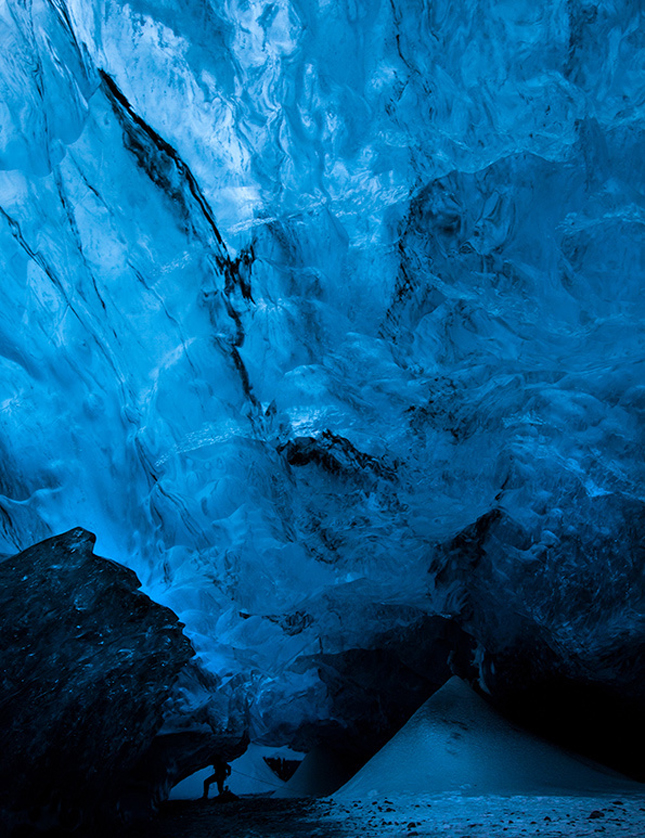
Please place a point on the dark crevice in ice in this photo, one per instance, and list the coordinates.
(167, 170)
(336, 455)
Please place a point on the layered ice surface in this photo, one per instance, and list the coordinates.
(294, 292)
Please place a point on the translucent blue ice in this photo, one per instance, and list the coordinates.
(293, 292)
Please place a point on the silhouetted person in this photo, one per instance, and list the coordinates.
(222, 770)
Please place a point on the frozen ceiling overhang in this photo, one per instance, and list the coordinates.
(303, 300)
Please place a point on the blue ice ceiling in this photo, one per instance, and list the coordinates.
(294, 292)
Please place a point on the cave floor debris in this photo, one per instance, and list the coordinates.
(432, 816)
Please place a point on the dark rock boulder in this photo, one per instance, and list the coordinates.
(557, 615)
(202, 719)
(87, 662)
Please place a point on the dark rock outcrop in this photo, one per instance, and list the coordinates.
(202, 719)
(557, 617)
(336, 455)
(87, 663)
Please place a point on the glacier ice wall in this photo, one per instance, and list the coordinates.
(296, 293)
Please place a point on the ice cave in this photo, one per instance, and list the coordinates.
(322, 418)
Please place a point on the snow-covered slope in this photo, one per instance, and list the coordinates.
(456, 742)
(321, 773)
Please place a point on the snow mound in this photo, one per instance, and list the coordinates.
(321, 772)
(456, 742)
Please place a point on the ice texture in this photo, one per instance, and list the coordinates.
(296, 292)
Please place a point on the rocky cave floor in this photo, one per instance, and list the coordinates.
(445, 815)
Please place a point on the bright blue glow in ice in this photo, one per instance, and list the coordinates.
(437, 214)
